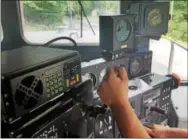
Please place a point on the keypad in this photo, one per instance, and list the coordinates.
(54, 84)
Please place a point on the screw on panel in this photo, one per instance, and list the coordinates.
(7, 104)
(5, 95)
(10, 119)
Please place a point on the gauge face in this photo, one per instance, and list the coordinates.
(92, 77)
(135, 66)
(102, 74)
(123, 30)
(155, 17)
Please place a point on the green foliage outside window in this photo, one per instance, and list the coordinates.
(178, 27)
(51, 13)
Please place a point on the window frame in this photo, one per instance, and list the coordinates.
(20, 12)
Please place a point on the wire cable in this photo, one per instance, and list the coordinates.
(60, 38)
(86, 16)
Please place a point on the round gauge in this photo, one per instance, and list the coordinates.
(102, 74)
(92, 77)
(135, 66)
(155, 17)
(123, 30)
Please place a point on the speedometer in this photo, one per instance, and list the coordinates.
(155, 17)
(123, 30)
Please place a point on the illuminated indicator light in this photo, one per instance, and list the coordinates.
(72, 82)
(101, 124)
(110, 127)
(73, 78)
(48, 95)
(67, 83)
(56, 91)
(77, 77)
(52, 92)
(101, 132)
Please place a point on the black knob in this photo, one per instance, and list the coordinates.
(158, 110)
(176, 80)
(94, 111)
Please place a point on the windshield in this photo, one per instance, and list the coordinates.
(46, 20)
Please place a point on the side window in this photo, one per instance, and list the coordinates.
(178, 32)
(46, 20)
(170, 52)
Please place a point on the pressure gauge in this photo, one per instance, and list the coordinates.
(123, 30)
(136, 65)
(155, 17)
(92, 77)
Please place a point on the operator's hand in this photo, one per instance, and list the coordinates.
(158, 131)
(113, 90)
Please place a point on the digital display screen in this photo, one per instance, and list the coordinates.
(152, 95)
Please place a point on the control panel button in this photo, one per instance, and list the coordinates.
(51, 77)
(48, 95)
(101, 132)
(47, 84)
(47, 79)
(52, 88)
(59, 74)
(56, 86)
(56, 91)
(72, 82)
(110, 127)
(51, 83)
(48, 90)
(60, 84)
(77, 78)
(67, 83)
(59, 79)
(55, 75)
(61, 89)
(5, 95)
(55, 81)
(52, 92)
(101, 124)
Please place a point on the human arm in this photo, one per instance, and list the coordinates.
(160, 131)
(113, 91)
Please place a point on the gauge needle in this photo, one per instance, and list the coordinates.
(119, 28)
(155, 17)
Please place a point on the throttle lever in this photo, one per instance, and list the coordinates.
(95, 110)
(158, 110)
